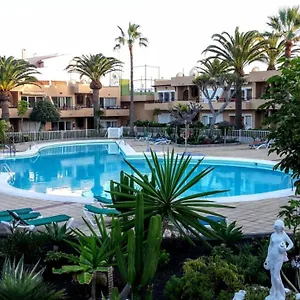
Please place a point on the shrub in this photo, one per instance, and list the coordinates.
(20, 242)
(205, 279)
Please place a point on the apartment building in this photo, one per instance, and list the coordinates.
(180, 89)
(74, 100)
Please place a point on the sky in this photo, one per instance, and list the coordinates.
(178, 31)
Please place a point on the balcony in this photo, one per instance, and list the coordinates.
(115, 112)
(151, 105)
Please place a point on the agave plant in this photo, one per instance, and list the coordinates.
(228, 233)
(165, 194)
(17, 283)
(57, 234)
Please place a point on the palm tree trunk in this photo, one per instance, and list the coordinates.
(238, 104)
(5, 111)
(131, 93)
(288, 49)
(96, 106)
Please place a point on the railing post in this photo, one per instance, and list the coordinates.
(62, 135)
(240, 135)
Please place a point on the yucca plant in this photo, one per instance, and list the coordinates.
(17, 283)
(165, 194)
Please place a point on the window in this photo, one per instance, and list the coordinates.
(62, 102)
(61, 126)
(31, 100)
(166, 96)
(164, 118)
(107, 124)
(172, 96)
(247, 121)
(160, 97)
(109, 102)
(206, 119)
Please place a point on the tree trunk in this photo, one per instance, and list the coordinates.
(238, 105)
(288, 49)
(21, 124)
(96, 106)
(93, 286)
(131, 93)
(213, 120)
(5, 111)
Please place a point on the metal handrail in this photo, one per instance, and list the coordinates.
(291, 178)
(6, 167)
(35, 144)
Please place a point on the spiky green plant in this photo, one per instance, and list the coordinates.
(164, 194)
(95, 252)
(17, 283)
(139, 266)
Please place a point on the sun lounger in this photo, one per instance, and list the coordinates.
(31, 224)
(216, 219)
(27, 216)
(91, 210)
(103, 199)
(17, 211)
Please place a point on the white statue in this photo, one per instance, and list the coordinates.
(240, 295)
(280, 243)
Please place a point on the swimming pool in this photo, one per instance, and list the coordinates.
(78, 171)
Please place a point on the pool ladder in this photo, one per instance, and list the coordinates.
(292, 181)
(6, 168)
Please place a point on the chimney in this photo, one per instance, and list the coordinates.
(24, 54)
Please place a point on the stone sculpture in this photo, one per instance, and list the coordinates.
(280, 243)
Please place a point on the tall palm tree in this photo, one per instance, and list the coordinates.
(94, 67)
(287, 25)
(132, 36)
(274, 48)
(14, 73)
(238, 50)
(213, 67)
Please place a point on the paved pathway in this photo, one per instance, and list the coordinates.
(254, 216)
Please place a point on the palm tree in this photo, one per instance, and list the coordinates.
(213, 67)
(13, 73)
(238, 50)
(273, 49)
(94, 67)
(287, 25)
(133, 36)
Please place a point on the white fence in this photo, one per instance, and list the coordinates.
(18, 137)
(243, 136)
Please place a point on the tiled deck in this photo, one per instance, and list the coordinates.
(254, 216)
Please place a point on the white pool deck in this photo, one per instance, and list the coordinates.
(254, 216)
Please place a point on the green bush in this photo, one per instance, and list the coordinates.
(249, 261)
(205, 279)
(20, 242)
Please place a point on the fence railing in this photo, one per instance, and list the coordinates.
(18, 137)
(243, 136)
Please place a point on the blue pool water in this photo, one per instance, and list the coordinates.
(75, 170)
